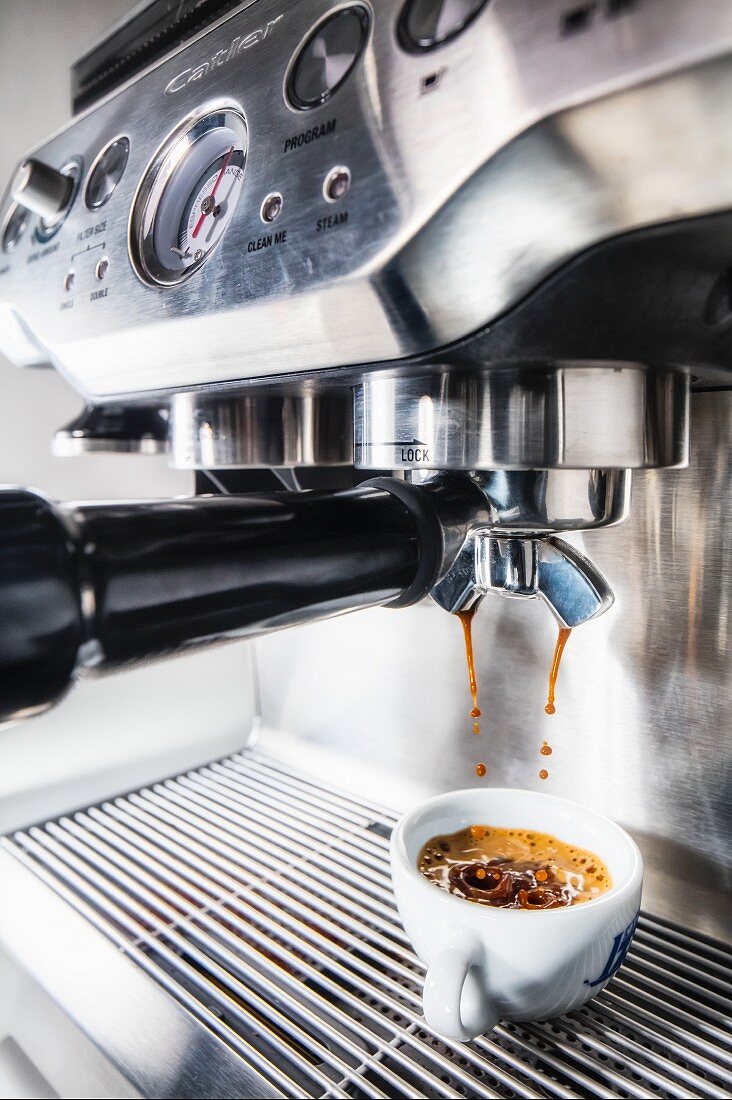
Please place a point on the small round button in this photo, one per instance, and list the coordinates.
(337, 184)
(69, 279)
(426, 24)
(106, 172)
(327, 57)
(14, 226)
(271, 207)
(102, 268)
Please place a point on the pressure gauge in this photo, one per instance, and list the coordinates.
(187, 197)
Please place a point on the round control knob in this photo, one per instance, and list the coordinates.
(426, 24)
(327, 56)
(43, 190)
(106, 172)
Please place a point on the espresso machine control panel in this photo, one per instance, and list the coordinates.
(328, 184)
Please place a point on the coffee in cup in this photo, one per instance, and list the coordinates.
(485, 962)
(513, 868)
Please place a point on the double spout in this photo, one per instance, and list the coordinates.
(512, 548)
(546, 568)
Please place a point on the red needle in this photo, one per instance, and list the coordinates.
(212, 196)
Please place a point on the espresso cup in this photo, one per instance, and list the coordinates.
(487, 964)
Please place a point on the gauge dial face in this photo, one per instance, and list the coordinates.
(210, 207)
(188, 197)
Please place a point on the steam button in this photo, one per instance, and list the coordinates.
(426, 24)
(327, 57)
(337, 184)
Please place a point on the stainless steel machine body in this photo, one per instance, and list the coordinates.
(494, 266)
(475, 170)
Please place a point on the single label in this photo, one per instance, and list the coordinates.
(67, 304)
(331, 221)
(269, 240)
(315, 133)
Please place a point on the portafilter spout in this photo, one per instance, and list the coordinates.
(513, 549)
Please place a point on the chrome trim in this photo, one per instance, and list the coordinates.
(550, 569)
(253, 430)
(343, 5)
(95, 162)
(169, 157)
(523, 417)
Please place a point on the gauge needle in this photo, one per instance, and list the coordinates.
(212, 196)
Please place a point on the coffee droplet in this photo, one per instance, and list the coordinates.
(480, 770)
(545, 750)
(466, 618)
(543, 774)
(550, 709)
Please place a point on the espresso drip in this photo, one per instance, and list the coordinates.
(466, 618)
(563, 635)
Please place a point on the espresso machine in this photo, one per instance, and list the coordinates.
(433, 298)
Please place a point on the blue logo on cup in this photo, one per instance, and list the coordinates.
(618, 951)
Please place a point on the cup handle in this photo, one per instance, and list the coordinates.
(455, 1000)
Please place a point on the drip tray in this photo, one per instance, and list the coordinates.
(260, 901)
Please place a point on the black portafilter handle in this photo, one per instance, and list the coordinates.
(102, 585)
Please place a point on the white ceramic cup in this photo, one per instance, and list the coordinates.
(487, 964)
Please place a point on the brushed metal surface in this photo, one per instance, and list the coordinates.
(617, 416)
(642, 729)
(533, 145)
(535, 501)
(273, 430)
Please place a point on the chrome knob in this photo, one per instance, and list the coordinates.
(41, 189)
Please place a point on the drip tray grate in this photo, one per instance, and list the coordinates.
(260, 899)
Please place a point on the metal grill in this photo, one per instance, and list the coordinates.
(261, 900)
